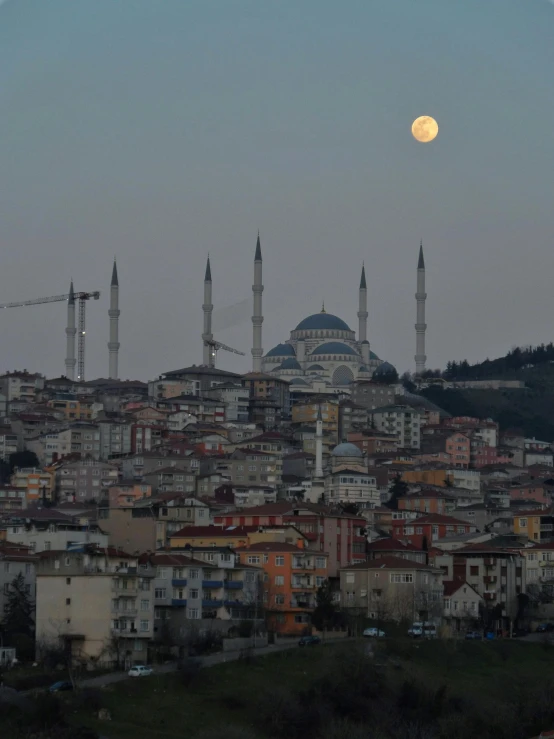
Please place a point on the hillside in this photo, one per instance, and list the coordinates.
(531, 409)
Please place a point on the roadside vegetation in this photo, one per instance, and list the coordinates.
(372, 689)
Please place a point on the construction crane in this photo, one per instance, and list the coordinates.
(215, 346)
(82, 297)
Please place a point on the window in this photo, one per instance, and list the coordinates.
(47, 546)
(192, 613)
(68, 581)
(139, 645)
(193, 574)
(279, 600)
(252, 560)
(193, 593)
(321, 563)
(279, 580)
(6, 566)
(403, 577)
(474, 571)
(160, 593)
(446, 604)
(144, 625)
(350, 578)
(319, 581)
(144, 605)
(523, 523)
(68, 601)
(279, 561)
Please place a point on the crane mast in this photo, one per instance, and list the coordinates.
(82, 297)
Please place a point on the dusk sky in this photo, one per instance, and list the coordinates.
(160, 130)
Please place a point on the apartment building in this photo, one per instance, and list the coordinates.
(209, 589)
(305, 414)
(53, 444)
(85, 479)
(351, 485)
(11, 499)
(497, 574)
(536, 524)
(454, 443)
(139, 465)
(252, 466)
(429, 528)
(373, 442)
(97, 603)
(35, 484)
(341, 536)
(372, 395)
(126, 492)
(292, 576)
(392, 588)
(428, 501)
(174, 479)
(462, 605)
(45, 529)
(21, 386)
(539, 564)
(9, 443)
(402, 421)
(263, 387)
(200, 537)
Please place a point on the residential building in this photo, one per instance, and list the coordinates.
(174, 479)
(81, 437)
(12, 499)
(85, 479)
(21, 386)
(371, 442)
(71, 407)
(292, 576)
(201, 377)
(454, 443)
(401, 420)
(372, 395)
(394, 548)
(234, 536)
(537, 525)
(36, 484)
(261, 387)
(352, 417)
(252, 466)
(9, 443)
(166, 388)
(428, 501)
(235, 397)
(44, 529)
(127, 492)
(392, 589)
(139, 465)
(429, 529)
(115, 435)
(197, 592)
(96, 603)
(341, 536)
(539, 564)
(305, 414)
(497, 574)
(462, 605)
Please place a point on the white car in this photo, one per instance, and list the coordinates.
(140, 671)
(374, 632)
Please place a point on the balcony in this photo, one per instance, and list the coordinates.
(212, 603)
(490, 562)
(489, 579)
(299, 565)
(234, 584)
(234, 603)
(212, 584)
(125, 592)
(178, 602)
(179, 582)
(490, 595)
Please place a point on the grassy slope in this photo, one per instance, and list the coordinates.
(228, 694)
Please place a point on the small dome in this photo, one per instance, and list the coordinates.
(346, 450)
(383, 369)
(322, 321)
(315, 368)
(281, 350)
(372, 355)
(299, 381)
(334, 347)
(290, 363)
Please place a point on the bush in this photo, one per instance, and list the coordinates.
(282, 713)
(225, 732)
(90, 699)
(245, 629)
(205, 643)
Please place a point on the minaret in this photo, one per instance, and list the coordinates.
(113, 313)
(362, 318)
(420, 326)
(319, 445)
(70, 332)
(257, 317)
(207, 336)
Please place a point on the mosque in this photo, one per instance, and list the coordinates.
(322, 347)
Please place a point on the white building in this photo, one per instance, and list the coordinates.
(401, 420)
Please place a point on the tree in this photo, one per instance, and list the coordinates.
(23, 459)
(351, 508)
(18, 610)
(325, 611)
(397, 490)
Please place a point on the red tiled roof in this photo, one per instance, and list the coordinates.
(221, 531)
(436, 518)
(389, 563)
(165, 558)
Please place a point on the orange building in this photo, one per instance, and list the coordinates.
(427, 501)
(292, 576)
(428, 477)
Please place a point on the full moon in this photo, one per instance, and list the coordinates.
(425, 128)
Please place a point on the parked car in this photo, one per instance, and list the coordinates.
(473, 635)
(307, 641)
(543, 628)
(373, 632)
(140, 671)
(422, 629)
(61, 685)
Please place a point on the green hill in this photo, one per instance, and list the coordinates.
(530, 409)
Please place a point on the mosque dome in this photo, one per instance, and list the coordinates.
(383, 369)
(315, 368)
(299, 381)
(346, 450)
(281, 350)
(290, 363)
(322, 321)
(334, 347)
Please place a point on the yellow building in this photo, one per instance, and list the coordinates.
(73, 410)
(233, 536)
(34, 482)
(427, 477)
(305, 414)
(537, 525)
